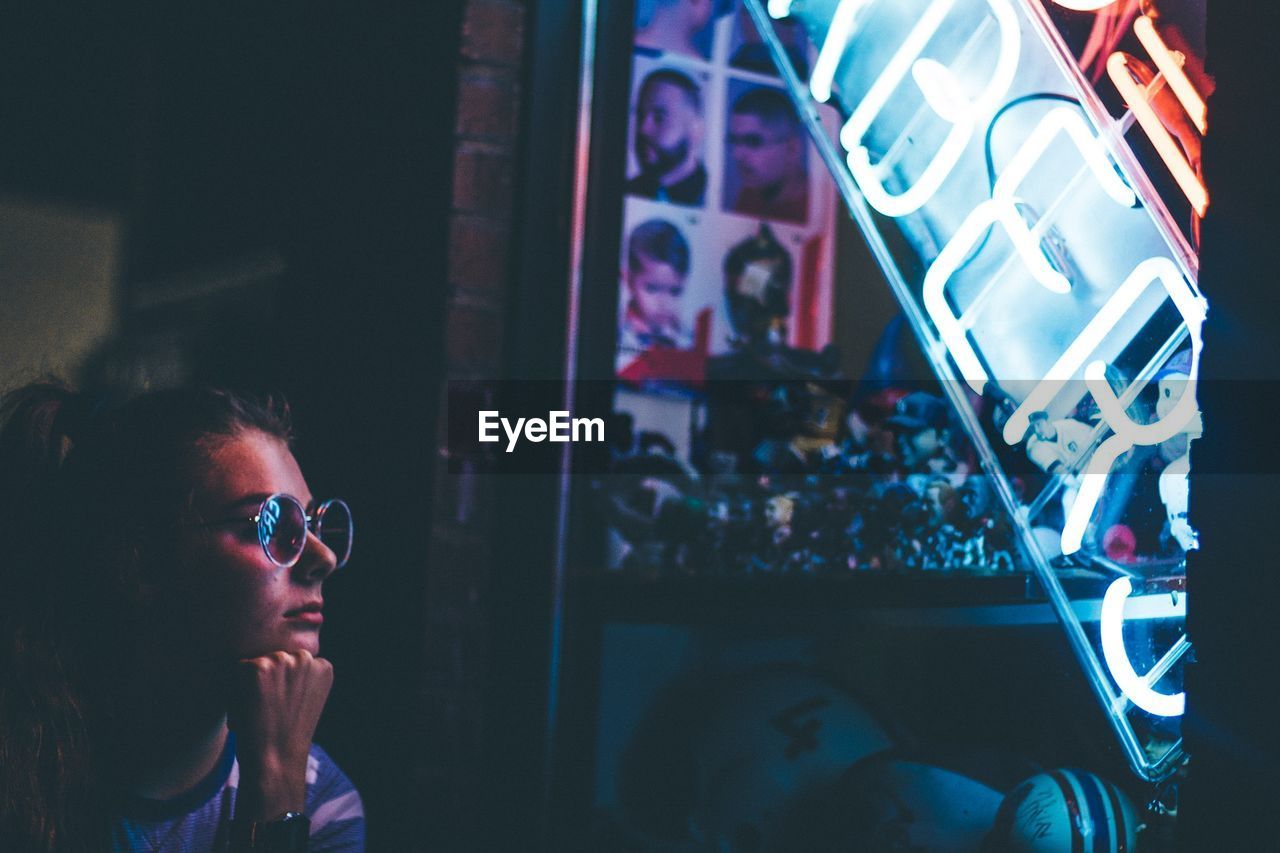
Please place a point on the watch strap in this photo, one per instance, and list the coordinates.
(287, 834)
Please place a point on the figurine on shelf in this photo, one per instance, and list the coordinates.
(921, 426)
(1054, 444)
(1057, 447)
(778, 512)
(650, 500)
(810, 416)
(1172, 382)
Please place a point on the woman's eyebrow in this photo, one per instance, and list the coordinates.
(246, 502)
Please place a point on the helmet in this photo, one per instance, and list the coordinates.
(1065, 810)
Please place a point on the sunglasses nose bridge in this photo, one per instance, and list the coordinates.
(327, 558)
(334, 517)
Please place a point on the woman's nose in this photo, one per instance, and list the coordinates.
(318, 561)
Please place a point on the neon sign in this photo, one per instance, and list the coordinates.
(1002, 208)
(1126, 72)
(1084, 5)
(1036, 264)
(1136, 688)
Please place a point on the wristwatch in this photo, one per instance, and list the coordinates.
(287, 834)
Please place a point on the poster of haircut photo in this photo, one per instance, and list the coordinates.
(667, 295)
(666, 159)
(773, 286)
(766, 170)
(726, 201)
(694, 288)
(748, 52)
(679, 27)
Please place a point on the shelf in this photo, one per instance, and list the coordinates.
(933, 599)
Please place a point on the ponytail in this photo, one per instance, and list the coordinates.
(48, 794)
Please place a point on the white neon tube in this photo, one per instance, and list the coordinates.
(870, 177)
(1136, 97)
(780, 8)
(1133, 686)
(1064, 120)
(1170, 65)
(993, 211)
(1092, 482)
(1084, 5)
(1127, 432)
(839, 34)
(941, 90)
(1193, 309)
(1001, 208)
(1090, 338)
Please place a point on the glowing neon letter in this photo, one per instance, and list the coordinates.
(1193, 309)
(1066, 120)
(1192, 187)
(940, 88)
(1134, 687)
(1090, 338)
(1170, 65)
(779, 8)
(838, 36)
(1001, 208)
(996, 210)
(1084, 5)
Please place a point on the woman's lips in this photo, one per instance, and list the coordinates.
(310, 614)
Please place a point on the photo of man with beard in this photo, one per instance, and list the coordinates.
(668, 139)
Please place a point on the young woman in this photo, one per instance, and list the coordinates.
(161, 576)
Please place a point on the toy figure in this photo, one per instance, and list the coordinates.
(1057, 446)
(921, 425)
(809, 414)
(778, 512)
(1051, 444)
(651, 502)
(1172, 382)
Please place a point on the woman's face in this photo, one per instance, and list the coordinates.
(227, 595)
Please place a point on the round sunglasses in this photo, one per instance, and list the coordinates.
(282, 524)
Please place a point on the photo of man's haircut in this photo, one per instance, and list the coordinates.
(766, 157)
(668, 139)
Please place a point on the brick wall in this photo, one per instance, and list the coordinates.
(462, 532)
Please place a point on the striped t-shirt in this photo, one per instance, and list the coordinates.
(199, 820)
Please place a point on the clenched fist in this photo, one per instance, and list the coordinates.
(276, 703)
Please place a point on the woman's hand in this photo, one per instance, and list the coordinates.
(276, 703)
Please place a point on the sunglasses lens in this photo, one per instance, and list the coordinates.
(333, 526)
(282, 530)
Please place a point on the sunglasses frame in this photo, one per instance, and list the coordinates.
(312, 523)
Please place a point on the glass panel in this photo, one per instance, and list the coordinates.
(744, 447)
(1039, 237)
